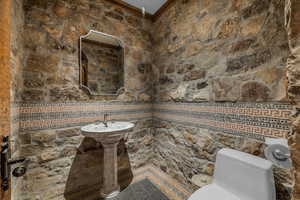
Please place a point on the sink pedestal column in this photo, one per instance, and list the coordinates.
(109, 135)
(111, 187)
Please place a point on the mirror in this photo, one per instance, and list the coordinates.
(101, 63)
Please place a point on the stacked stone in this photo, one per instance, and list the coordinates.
(230, 50)
(293, 66)
(52, 30)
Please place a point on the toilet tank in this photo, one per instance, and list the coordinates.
(246, 176)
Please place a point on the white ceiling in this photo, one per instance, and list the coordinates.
(151, 6)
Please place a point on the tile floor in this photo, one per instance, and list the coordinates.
(167, 185)
(161, 187)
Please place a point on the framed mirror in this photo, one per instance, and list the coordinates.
(101, 63)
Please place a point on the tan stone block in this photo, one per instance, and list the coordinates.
(295, 11)
(71, 132)
(44, 184)
(252, 26)
(31, 150)
(68, 151)
(226, 89)
(42, 63)
(271, 74)
(255, 91)
(54, 31)
(203, 94)
(37, 173)
(61, 9)
(49, 155)
(56, 192)
(43, 137)
(240, 4)
(40, 16)
(193, 49)
(34, 37)
(201, 180)
(214, 7)
(33, 95)
(195, 75)
(203, 30)
(230, 28)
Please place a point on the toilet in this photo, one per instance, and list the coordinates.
(239, 176)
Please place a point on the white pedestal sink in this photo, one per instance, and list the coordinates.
(109, 136)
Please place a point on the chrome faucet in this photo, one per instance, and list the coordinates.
(105, 119)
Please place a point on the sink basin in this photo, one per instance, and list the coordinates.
(111, 127)
(101, 133)
(109, 137)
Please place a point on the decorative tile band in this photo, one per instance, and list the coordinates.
(255, 120)
(62, 115)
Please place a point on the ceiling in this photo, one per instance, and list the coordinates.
(151, 6)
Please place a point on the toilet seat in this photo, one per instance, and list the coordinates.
(212, 192)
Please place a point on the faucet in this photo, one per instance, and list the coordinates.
(105, 119)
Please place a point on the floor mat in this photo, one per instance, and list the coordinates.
(142, 190)
(168, 185)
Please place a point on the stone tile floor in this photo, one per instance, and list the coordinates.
(162, 187)
(167, 185)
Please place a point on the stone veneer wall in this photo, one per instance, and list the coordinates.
(52, 29)
(231, 51)
(61, 164)
(221, 50)
(241, 58)
(293, 65)
(16, 68)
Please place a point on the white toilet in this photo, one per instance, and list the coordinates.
(239, 176)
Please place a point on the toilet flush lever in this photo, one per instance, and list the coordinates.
(6, 162)
(279, 155)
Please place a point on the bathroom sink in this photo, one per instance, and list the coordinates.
(100, 130)
(109, 135)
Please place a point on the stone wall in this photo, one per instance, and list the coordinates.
(52, 30)
(292, 24)
(188, 154)
(220, 50)
(61, 165)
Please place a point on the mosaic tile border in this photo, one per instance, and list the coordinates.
(254, 120)
(42, 116)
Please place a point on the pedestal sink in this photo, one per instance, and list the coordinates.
(109, 135)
